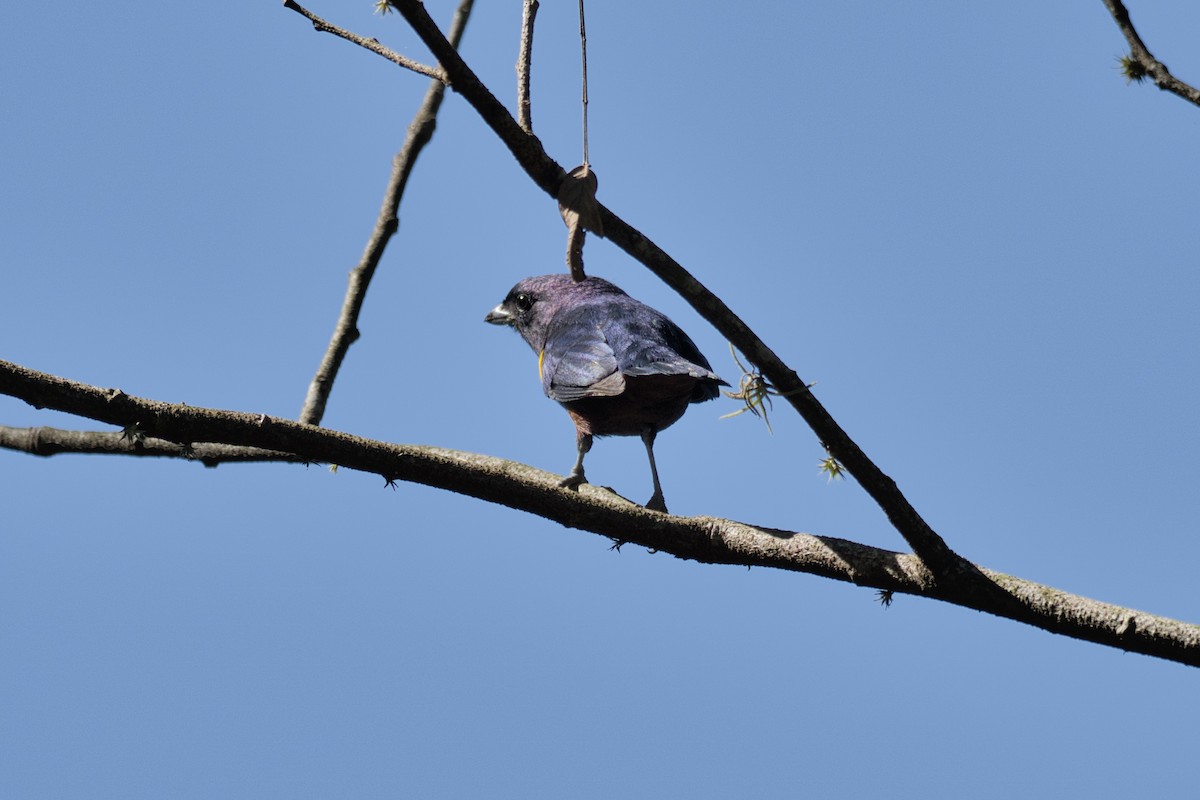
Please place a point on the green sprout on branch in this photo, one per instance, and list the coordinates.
(832, 467)
(1133, 70)
(756, 392)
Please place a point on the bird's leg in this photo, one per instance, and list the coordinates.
(655, 503)
(583, 442)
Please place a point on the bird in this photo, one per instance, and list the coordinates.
(618, 366)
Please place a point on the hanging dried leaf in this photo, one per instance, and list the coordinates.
(577, 200)
(581, 212)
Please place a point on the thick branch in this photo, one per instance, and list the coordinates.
(1141, 56)
(345, 332)
(548, 174)
(590, 508)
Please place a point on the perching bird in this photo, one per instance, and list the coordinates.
(617, 366)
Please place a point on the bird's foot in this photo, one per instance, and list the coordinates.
(573, 480)
(657, 503)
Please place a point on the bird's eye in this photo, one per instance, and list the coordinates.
(524, 302)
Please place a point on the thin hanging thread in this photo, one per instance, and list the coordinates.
(583, 51)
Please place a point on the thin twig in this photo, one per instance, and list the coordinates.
(370, 44)
(548, 175)
(345, 332)
(525, 66)
(704, 539)
(583, 56)
(1147, 63)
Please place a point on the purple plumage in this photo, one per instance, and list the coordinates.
(619, 367)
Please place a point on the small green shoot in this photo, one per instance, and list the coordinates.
(832, 467)
(756, 392)
(1133, 70)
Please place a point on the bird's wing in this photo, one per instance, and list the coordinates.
(577, 362)
(650, 344)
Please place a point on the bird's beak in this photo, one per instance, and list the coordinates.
(499, 316)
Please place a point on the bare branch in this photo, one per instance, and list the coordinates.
(548, 175)
(370, 44)
(345, 332)
(524, 65)
(1147, 64)
(705, 539)
(55, 441)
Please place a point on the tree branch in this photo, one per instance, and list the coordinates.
(55, 441)
(345, 332)
(548, 175)
(1146, 63)
(590, 508)
(524, 66)
(371, 44)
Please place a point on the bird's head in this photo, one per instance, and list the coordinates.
(532, 303)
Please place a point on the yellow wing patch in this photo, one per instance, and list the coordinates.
(541, 358)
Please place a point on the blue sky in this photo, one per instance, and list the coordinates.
(956, 218)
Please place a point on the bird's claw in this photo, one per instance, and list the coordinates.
(572, 481)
